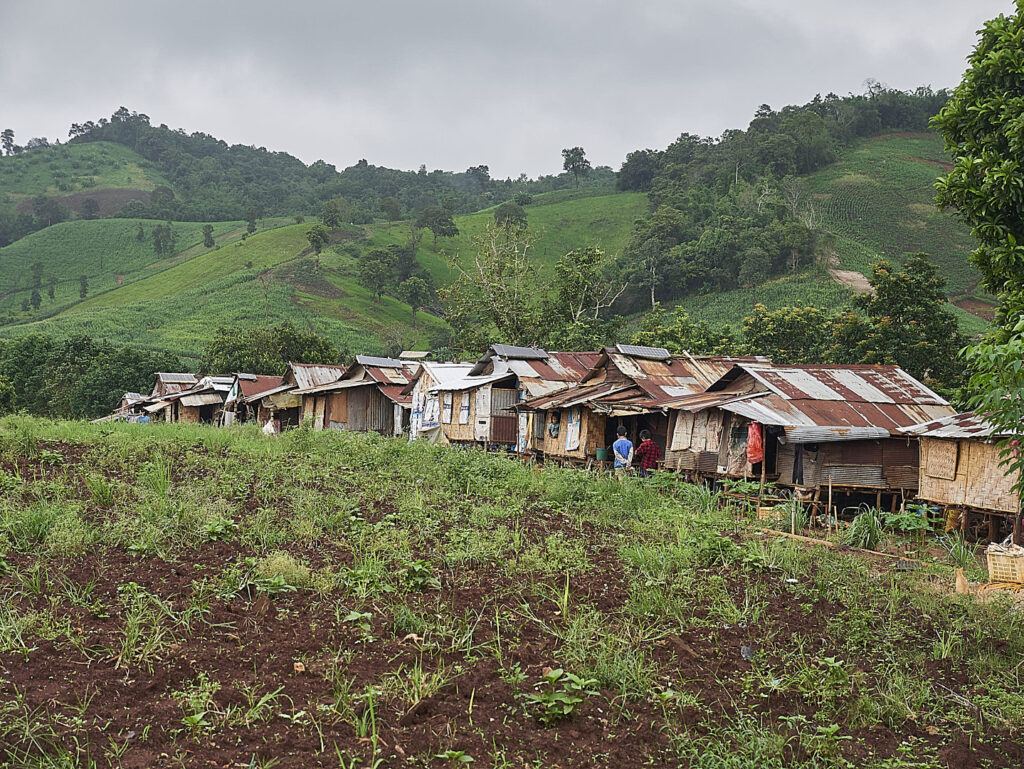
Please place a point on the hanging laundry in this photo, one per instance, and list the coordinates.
(755, 444)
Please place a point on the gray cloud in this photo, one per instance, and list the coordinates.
(454, 83)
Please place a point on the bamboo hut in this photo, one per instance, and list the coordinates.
(836, 427)
(425, 388)
(281, 405)
(157, 405)
(628, 386)
(368, 397)
(243, 399)
(962, 471)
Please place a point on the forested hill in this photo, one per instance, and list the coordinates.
(125, 166)
(216, 181)
(737, 211)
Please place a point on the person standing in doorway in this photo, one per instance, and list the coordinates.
(623, 449)
(647, 454)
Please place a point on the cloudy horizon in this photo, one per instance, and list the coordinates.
(452, 84)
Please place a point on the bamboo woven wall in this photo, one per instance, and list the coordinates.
(591, 435)
(977, 480)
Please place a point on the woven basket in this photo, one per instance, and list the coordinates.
(1005, 568)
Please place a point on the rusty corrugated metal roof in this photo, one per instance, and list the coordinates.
(307, 375)
(966, 425)
(258, 383)
(853, 384)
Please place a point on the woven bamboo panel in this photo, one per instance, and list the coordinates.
(942, 459)
(932, 488)
(989, 486)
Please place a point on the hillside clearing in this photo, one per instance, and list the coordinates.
(190, 596)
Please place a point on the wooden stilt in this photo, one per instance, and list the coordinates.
(828, 511)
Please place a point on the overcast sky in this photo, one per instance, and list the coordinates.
(455, 83)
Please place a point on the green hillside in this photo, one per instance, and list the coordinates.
(178, 304)
(879, 199)
(72, 172)
(107, 251)
(265, 278)
(561, 220)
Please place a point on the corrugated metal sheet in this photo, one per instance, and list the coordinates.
(158, 406)
(258, 383)
(307, 375)
(169, 377)
(966, 425)
(901, 476)
(866, 384)
(201, 399)
(707, 461)
(370, 360)
(273, 391)
(869, 476)
(523, 353)
(831, 420)
(638, 351)
(469, 382)
(822, 434)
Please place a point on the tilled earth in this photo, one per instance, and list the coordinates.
(450, 665)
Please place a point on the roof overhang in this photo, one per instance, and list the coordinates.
(201, 399)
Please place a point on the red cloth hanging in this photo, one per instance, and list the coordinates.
(755, 444)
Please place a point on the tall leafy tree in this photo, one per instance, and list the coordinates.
(318, 238)
(496, 296)
(208, 241)
(677, 332)
(509, 214)
(377, 271)
(391, 209)
(266, 350)
(438, 221)
(7, 141)
(982, 126)
(415, 292)
(574, 160)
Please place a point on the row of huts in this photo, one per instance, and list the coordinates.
(854, 433)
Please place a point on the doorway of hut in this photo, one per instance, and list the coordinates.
(770, 442)
(287, 417)
(207, 414)
(657, 423)
(504, 422)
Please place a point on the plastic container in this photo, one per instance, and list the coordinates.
(1005, 568)
(603, 455)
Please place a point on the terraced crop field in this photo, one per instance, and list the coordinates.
(880, 197)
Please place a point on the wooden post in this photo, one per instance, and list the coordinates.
(993, 528)
(878, 500)
(828, 511)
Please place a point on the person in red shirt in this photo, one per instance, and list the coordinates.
(647, 454)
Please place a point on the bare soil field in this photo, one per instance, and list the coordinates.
(174, 596)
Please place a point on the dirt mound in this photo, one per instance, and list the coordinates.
(851, 278)
(110, 200)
